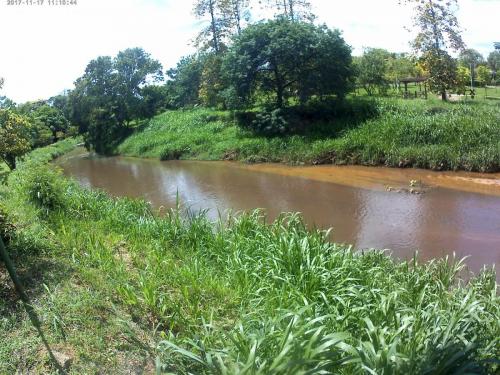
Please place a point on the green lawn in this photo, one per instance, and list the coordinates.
(490, 91)
(121, 290)
(418, 133)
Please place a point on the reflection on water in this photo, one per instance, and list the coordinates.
(439, 222)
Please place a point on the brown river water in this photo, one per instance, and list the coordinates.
(404, 210)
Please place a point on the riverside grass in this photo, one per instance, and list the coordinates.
(406, 133)
(121, 289)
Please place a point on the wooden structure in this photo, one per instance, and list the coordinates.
(419, 80)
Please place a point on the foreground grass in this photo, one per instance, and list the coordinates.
(121, 290)
(411, 133)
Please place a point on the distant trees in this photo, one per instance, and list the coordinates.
(14, 136)
(288, 59)
(400, 66)
(372, 70)
(494, 63)
(438, 30)
(469, 56)
(111, 94)
(483, 75)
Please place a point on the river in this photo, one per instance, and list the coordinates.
(404, 210)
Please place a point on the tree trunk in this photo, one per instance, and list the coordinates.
(214, 27)
(443, 96)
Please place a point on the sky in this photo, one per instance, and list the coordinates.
(44, 48)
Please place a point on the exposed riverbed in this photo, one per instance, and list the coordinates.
(398, 209)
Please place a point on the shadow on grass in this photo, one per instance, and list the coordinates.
(33, 273)
(317, 120)
(27, 304)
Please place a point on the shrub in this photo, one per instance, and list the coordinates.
(269, 122)
(42, 186)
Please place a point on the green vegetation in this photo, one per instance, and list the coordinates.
(425, 134)
(117, 287)
(263, 61)
(14, 137)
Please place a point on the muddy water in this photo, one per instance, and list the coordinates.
(440, 214)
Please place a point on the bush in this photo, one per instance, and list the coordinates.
(269, 122)
(42, 186)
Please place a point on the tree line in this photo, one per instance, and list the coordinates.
(378, 70)
(241, 64)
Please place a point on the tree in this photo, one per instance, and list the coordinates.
(14, 136)
(470, 57)
(62, 103)
(211, 83)
(134, 69)
(154, 100)
(213, 35)
(373, 69)
(494, 61)
(112, 87)
(184, 82)
(236, 11)
(95, 89)
(483, 75)
(438, 30)
(401, 66)
(288, 59)
(6, 103)
(442, 70)
(53, 119)
(293, 10)
(463, 79)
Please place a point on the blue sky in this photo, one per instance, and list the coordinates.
(43, 49)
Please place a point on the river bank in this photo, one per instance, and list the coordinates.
(119, 288)
(422, 134)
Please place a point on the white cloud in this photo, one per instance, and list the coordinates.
(43, 49)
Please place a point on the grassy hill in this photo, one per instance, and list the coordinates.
(412, 133)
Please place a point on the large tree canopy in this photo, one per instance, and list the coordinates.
(288, 60)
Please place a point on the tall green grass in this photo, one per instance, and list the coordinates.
(406, 133)
(237, 296)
